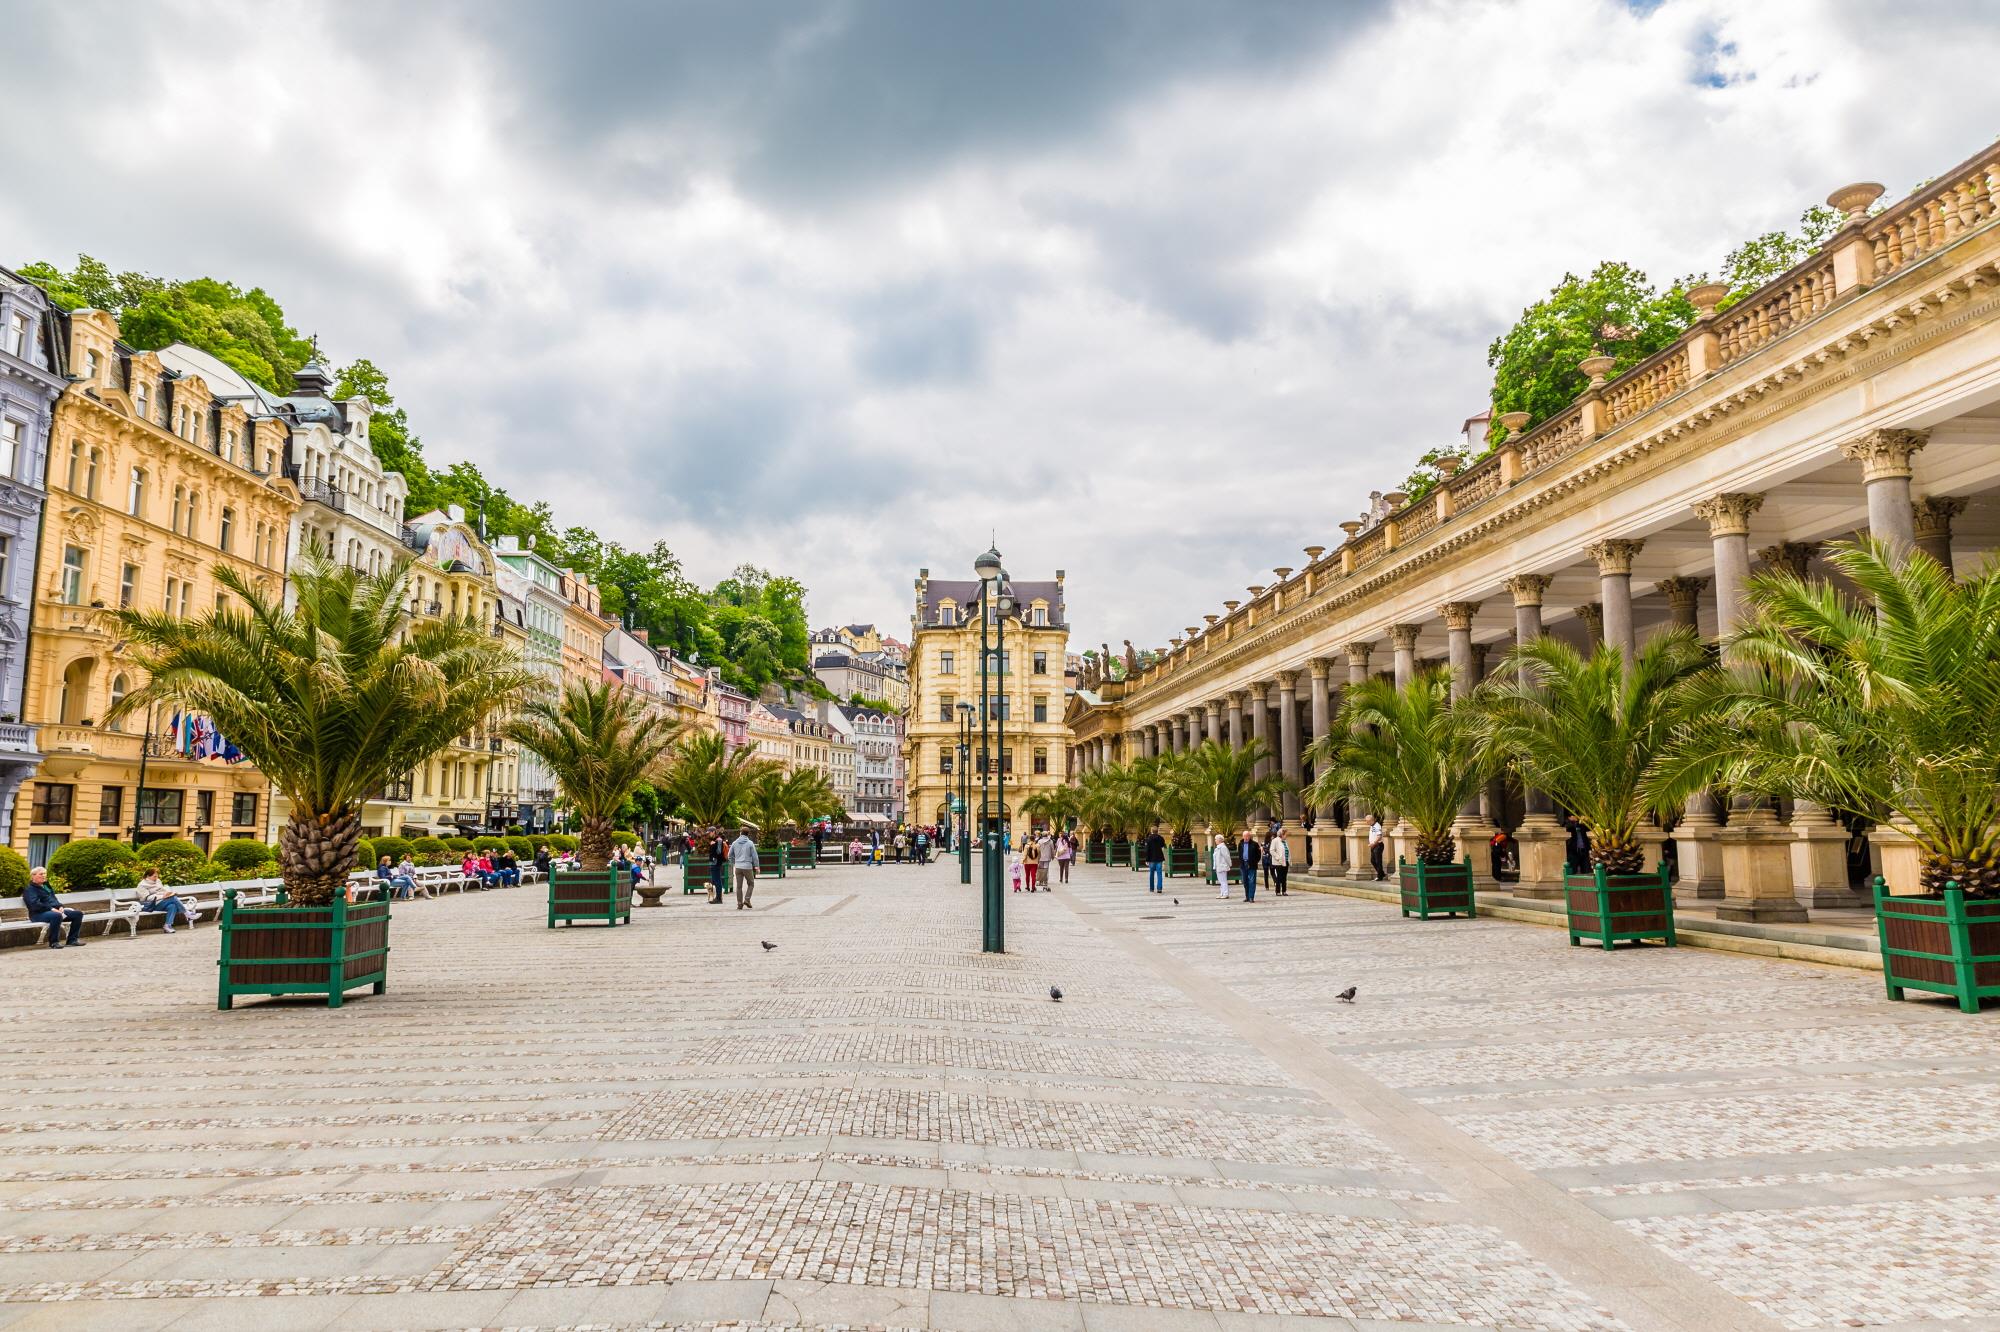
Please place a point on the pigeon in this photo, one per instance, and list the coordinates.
(768, 945)
(1346, 996)
(1177, 901)
(1055, 993)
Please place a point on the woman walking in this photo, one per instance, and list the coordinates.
(1065, 853)
(1218, 860)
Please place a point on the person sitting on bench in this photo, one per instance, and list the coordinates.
(155, 897)
(44, 908)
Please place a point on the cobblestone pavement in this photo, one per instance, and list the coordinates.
(876, 1126)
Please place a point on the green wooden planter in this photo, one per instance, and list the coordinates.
(1138, 856)
(1939, 942)
(799, 856)
(770, 862)
(1437, 890)
(1610, 909)
(1184, 862)
(1120, 853)
(1094, 852)
(286, 949)
(604, 895)
(694, 878)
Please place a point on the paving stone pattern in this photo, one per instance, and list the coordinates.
(876, 1126)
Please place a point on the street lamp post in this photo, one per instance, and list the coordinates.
(995, 599)
(964, 793)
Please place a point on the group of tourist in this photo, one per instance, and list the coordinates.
(1042, 861)
(1270, 858)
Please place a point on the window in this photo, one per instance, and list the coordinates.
(229, 446)
(221, 602)
(52, 802)
(135, 493)
(1041, 707)
(947, 614)
(43, 845)
(119, 688)
(92, 365)
(72, 575)
(173, 594)
(187, 590)
(225, 530)
(180, 503)
(74, 474)
(243, 809)
(194, 503)
(11, 433)
(1001, 662)
(996, 706)
(947, 663)
(1041, 760)
(111, 807)
(94, 460)
(1041, 663)
(1039, 616)
(6, 557)
(159, 806)
(20, 336)
(139, 402)
(204, 807)
(947, 703)
(1006, 763)
(944, 760)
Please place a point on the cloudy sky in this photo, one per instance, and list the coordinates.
(1154, 290)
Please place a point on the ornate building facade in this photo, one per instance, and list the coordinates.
(1025, 700)
(156, 478)
(536, 586)
(1858, 392)
(33, 359)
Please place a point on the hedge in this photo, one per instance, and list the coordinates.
(13, 872)
(561, 841)
(175, 847)
(365, 854)
(428, 851)
(86, 863)
(489, 844)
(241, 853)
(620, 837)
(459, 844)
(522, 847)
(393, 847)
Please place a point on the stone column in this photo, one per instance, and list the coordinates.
(1614, 585)
(1931, 521)
(1539, 840)
(1755, 847)
(1288, 741)
(1260, 729)
(1468, 828)
(1214, 709)
(1357, 808)
(1681, 593)
(1327, 849)
(1885, 456)
(1403, 638)
(1236, 732)
(1163, 738)
(1592, 615)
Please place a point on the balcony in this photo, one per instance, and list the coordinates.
(315, 490)
(16, 736)
(397, 793)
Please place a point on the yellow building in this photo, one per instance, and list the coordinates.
(153, 481)
(769, 737)
(1025, 694)
(583, 631)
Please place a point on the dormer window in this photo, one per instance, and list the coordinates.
(20, 336)
(139, 399)
(93, 364)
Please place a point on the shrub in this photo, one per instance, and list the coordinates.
(516, 830)
(561, 841)
(85, 864)
(393, 847)
(428, 851)
(365, 854)
(241, 853)
(175, 847)
(459, 844)
(489, 844)
(13, 872)
(620, 837)
(522, 847)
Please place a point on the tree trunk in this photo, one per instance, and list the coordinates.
(316, 853)
(593, 843)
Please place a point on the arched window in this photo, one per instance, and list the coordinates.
(72, 705)
(91, 466)
(180, 504)
(119, 689)
(135, 494)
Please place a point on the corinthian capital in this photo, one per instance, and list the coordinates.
(1615, 556)
(1885, 453)
(1403, 637)
(1458, 614)
(1528, 588)
(1728, 515)
(1933, 516)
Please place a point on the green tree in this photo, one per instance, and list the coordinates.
(1886, 703)
(331, 700)
(1761, 258)
(709, 781)
(1615, 309)
(1410, 750)
(1222, 787)
(1591, 730)
(599, 740)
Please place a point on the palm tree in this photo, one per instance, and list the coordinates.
(1101, 801)
(331, 700)
(1886, 704)
(1059, 807)
(776, 798)
(599, 740)
(709, 780)
(1408, 749)
(1221, 787)
(1591, 730)
(808, 795)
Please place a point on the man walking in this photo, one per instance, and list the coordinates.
(1218, 862)
(743, 860)
(44, 908)
(1375, 846)
(1248, 855)
(1156, 861)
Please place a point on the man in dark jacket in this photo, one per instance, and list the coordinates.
(44, 908)
(1249, 854)
(1156, 862)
